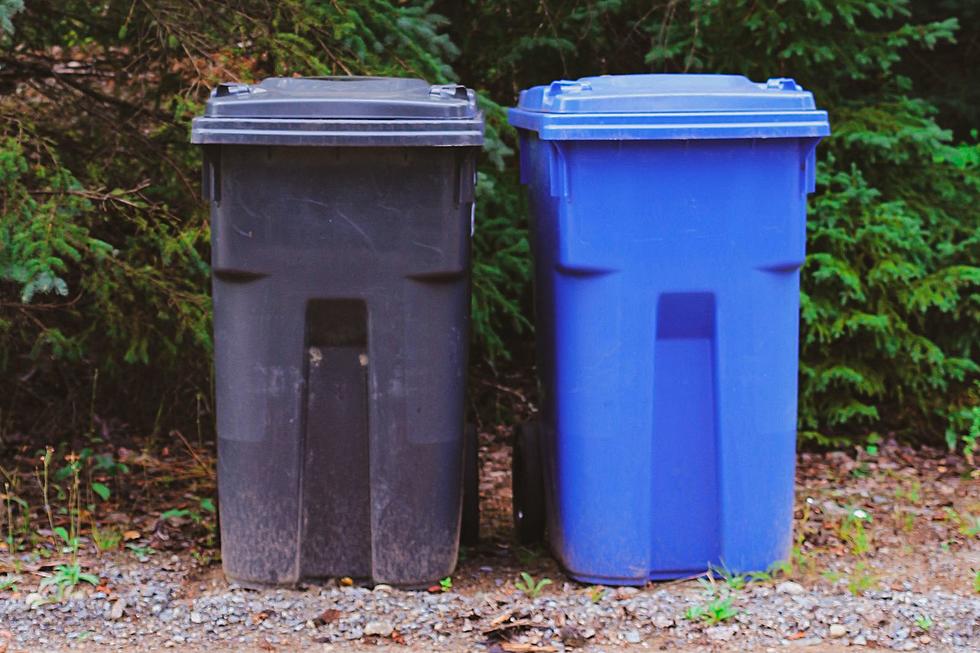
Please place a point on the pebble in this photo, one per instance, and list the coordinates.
(379, 628)
(806, 641)
(662, 622)
(156, 607)
(118, 607)
(721, 633)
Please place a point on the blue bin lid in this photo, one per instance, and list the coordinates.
(669, 106)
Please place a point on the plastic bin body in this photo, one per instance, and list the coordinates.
(341, 304)
(667, 298)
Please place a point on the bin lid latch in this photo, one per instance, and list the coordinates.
(231, 88)
(563, 87)
(568, 86)
(449, 92)
(783, 84)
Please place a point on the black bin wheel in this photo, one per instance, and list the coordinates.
(469, 533)
(528, 485)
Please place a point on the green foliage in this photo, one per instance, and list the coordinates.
(104, 242)
(890, 302)
(40, 234)
(7, 10)
(891, 285)
(102, 490)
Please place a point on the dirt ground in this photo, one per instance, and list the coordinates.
(887, 556)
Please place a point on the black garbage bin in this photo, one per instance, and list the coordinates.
(341, 216)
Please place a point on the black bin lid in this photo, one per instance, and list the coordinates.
(325, 111)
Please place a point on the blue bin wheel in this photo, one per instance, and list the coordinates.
(528, 485)
(469, 533)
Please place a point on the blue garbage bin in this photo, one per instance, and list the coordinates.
(668, 229)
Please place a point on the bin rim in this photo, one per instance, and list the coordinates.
(335, 111)
(669, 107)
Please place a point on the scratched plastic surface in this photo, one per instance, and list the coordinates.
(667, 255)
(341, 319)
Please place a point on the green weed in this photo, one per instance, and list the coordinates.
(531, 588)
(716, 610)
(731, 579)
(66, 577)
(142, 552)
(719, 605)
(968, 525)
(8, 582)
(831, 576)
(861, 471)
(924, 622)
(777, 569)
(852, 531)
(911, 493)
(107, 539)
(861, 580)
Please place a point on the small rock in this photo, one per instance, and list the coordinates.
(874, 617)
(721, 633)
(197, 618)
(789, 587)
(571, 636)
(632, 636)
(860, 640)
(807, 641)
(379, 628)
(663, 622)
(116, 612)
(837, 631)
(381, 587)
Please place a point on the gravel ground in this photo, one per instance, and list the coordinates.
(911, 587)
